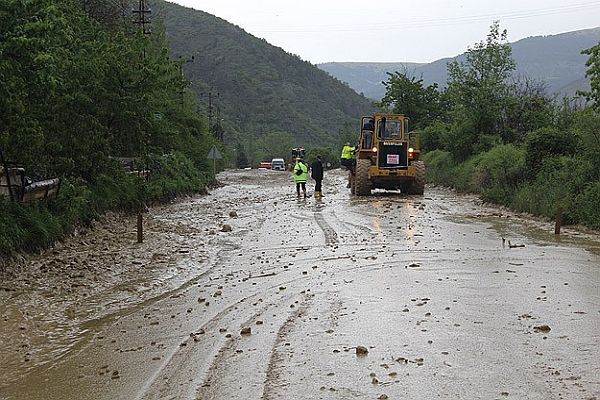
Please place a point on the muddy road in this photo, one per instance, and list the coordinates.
(251, 293)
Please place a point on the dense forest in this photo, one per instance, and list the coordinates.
(506, 138)
(82, 86)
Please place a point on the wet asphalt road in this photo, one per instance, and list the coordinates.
(450, 299)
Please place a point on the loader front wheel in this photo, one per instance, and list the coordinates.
(361, 177)
(417, 186)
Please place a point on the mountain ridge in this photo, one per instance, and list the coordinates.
(535, 56)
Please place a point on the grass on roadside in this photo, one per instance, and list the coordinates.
(37, 225)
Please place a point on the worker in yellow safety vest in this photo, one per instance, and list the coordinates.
(300, 176)
(347, 159)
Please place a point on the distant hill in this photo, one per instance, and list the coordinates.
(363, 77)
(260, 87)
(554, 59)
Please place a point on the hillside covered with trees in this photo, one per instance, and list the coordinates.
(508, 140)
(259, 88)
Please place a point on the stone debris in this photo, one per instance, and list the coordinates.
(226, 228)
(246, 331)
(541, 329)
(361, 351)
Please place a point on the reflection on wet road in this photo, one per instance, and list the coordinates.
(441, 296)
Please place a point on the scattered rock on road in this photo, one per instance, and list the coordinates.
(361, 351)
(541, 329)
(246, 331)
(226, 228)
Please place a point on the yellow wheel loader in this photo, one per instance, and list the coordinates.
(387, 156)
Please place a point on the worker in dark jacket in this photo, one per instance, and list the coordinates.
(316, 172)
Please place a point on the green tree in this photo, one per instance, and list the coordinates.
(593, 72)
(545, 143)
(479, 85)
(75, 93)
(329, 156)
(241, 160)
(525, 108)
(405, 94)
(274, 145)
(347, 133)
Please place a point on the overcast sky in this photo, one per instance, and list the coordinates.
(395, 30)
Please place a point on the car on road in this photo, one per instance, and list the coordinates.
(278, 164)
(264, 165)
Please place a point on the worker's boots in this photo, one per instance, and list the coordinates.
(317, 195)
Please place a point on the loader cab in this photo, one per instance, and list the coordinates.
(391, 129)
(392, 141)
(367, 132)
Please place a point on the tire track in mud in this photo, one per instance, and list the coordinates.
(277, 358)
(331, 236)
(183, 360)
(229, 361)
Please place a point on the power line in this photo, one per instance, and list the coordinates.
(431, 22)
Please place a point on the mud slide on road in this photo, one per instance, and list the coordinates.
(388, 296)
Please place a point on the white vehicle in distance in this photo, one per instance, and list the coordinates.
(278, 164)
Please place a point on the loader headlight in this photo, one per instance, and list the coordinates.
(411, 150)
(375, 149)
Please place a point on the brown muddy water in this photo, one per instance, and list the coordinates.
(252, 293)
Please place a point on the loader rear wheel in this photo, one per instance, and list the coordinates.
(361, 177)
(417, 186)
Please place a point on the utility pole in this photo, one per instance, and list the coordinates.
(181, 62)
(214, 122)
(218, 126)
(142, 18)
(210, 112)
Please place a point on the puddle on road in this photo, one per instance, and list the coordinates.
(512, 226)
